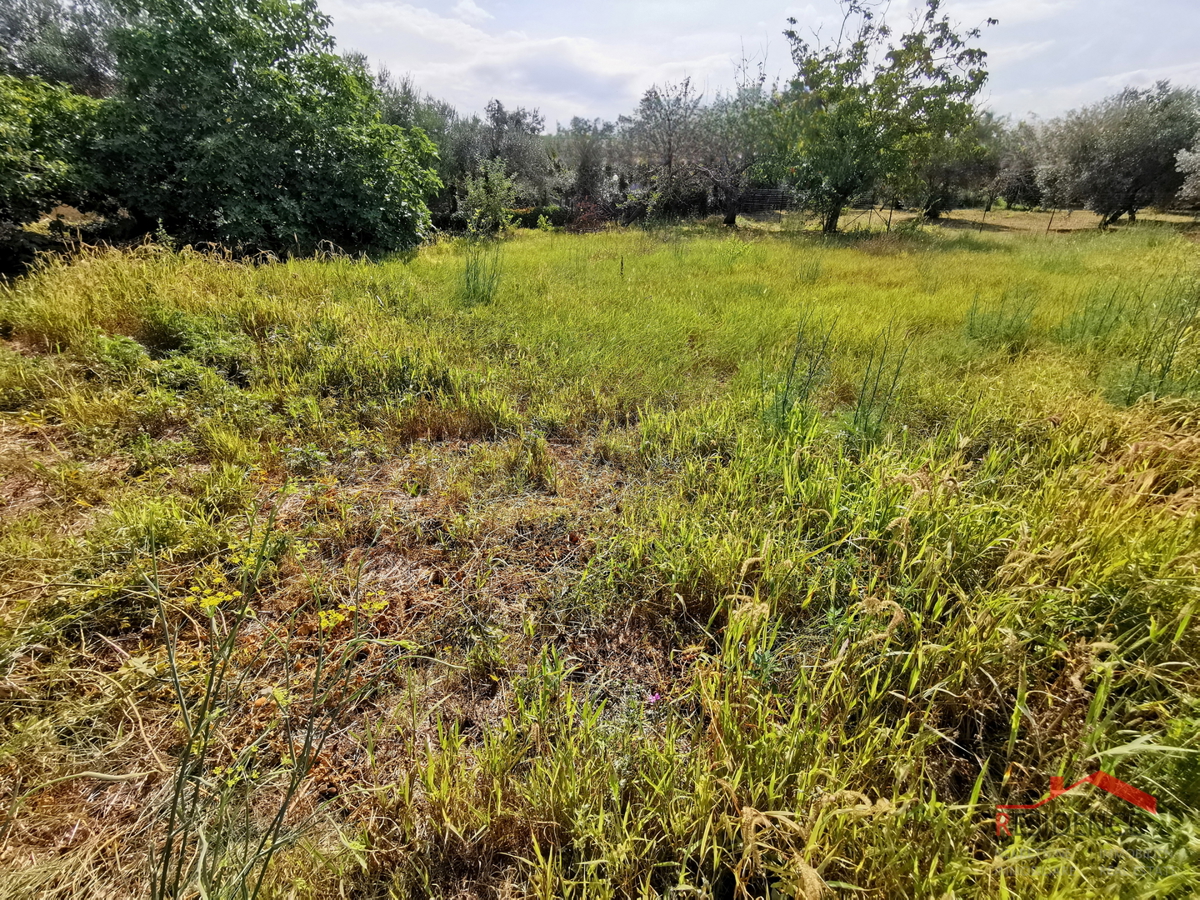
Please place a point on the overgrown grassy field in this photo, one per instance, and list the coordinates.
(646, 563)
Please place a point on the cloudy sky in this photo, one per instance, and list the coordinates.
(569, 57)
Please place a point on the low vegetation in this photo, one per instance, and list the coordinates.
(642, 563)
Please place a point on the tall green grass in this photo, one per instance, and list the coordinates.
(481, 271)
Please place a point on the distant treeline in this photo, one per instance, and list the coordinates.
(235, 122)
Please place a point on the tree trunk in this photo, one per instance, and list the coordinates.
(830, 224)
(934, 207)
(732, 203)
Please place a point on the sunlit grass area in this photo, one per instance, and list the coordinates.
(646, 563)
(997, 220)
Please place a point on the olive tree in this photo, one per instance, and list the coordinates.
(489, 197)
(733, 137)
(1120, 155)
(512, 136)
(515, 136)
(947, 169)
(1016, 151)
(661, 139)
(585, 149)
(1189, 167)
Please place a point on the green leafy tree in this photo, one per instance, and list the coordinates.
(512, 136)
(403, 104)
(515, 136)
(1120, 155)
(1016, 154)
(43, 133)
(951, 167)
(585, 148)
(733, 139)
(862, 110)
(235, 122)
(662, 140)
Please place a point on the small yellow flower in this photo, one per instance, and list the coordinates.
(331, 618)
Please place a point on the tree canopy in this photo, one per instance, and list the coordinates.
(62, 43)
(1189, 167)
(43, 131)
(734, 136)
(1120, 155)
(234, 121)
(863, 110)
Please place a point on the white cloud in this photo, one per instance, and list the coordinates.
(470, 11)
(1052, 101)
(1014, 53)
(1009, 12)
(470, 61)
(596, 59)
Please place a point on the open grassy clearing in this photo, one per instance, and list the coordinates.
(632, 564)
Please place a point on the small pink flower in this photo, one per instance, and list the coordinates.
(653, 698)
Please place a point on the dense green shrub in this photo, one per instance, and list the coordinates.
(490, 195)
(234, 122)
(42, 134)
(558, 216)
